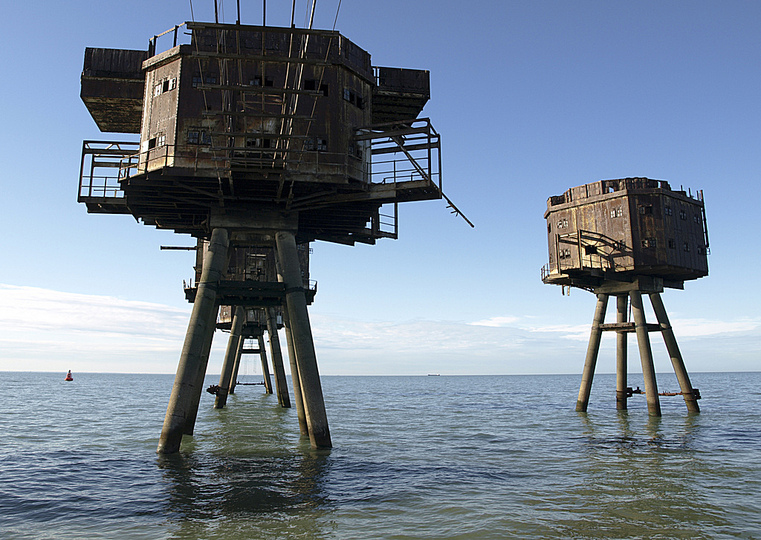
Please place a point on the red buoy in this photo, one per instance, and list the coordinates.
(69, 377)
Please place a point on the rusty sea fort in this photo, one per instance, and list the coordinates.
(419, 457)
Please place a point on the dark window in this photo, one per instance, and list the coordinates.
(645, 209)
(590, 250)
(687, 246)
(211, 78)
(682, 214)
(322, 145)
(198, 137)
(196, 80)
(696, 219)
(667, 210)
(353, 98)
(311, 84)
(152, 143)
(648, 242)
(258, 142)
(672, 243)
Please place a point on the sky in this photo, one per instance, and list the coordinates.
(530, 98)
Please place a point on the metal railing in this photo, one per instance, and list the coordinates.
(592, 251)
(101, 168)
(403, 152)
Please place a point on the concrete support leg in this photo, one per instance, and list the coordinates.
(295, 379)
(645, 354)
(265, 364)
(186, 389)
(676, 357)
(231, 353)
(277, 360)
(592, 349)
(238, 355)
(622, 316)
(311, 388)
(190, 423)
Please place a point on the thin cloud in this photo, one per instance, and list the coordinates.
(497, 322)
(43, 330)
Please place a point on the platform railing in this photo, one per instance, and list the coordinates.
(403, 152)
(100, 169)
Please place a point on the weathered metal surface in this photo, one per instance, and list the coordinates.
(250, 115)
(399, 94)
(112, 88)
(618, 229)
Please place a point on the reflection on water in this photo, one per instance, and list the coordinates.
(414, 457)
(244, 469)
(642, 476)
(271, 491)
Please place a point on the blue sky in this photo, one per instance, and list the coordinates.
(531, 98)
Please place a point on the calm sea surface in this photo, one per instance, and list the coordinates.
(414, 457)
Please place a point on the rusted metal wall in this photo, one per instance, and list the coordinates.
(633, 225)
(112, 88)
(161, 98)
(226, 112)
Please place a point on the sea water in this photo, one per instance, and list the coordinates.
(413, 457)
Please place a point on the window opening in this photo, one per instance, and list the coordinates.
(354, 98)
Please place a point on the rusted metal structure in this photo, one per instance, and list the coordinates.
(256, 139)
(626, 237)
